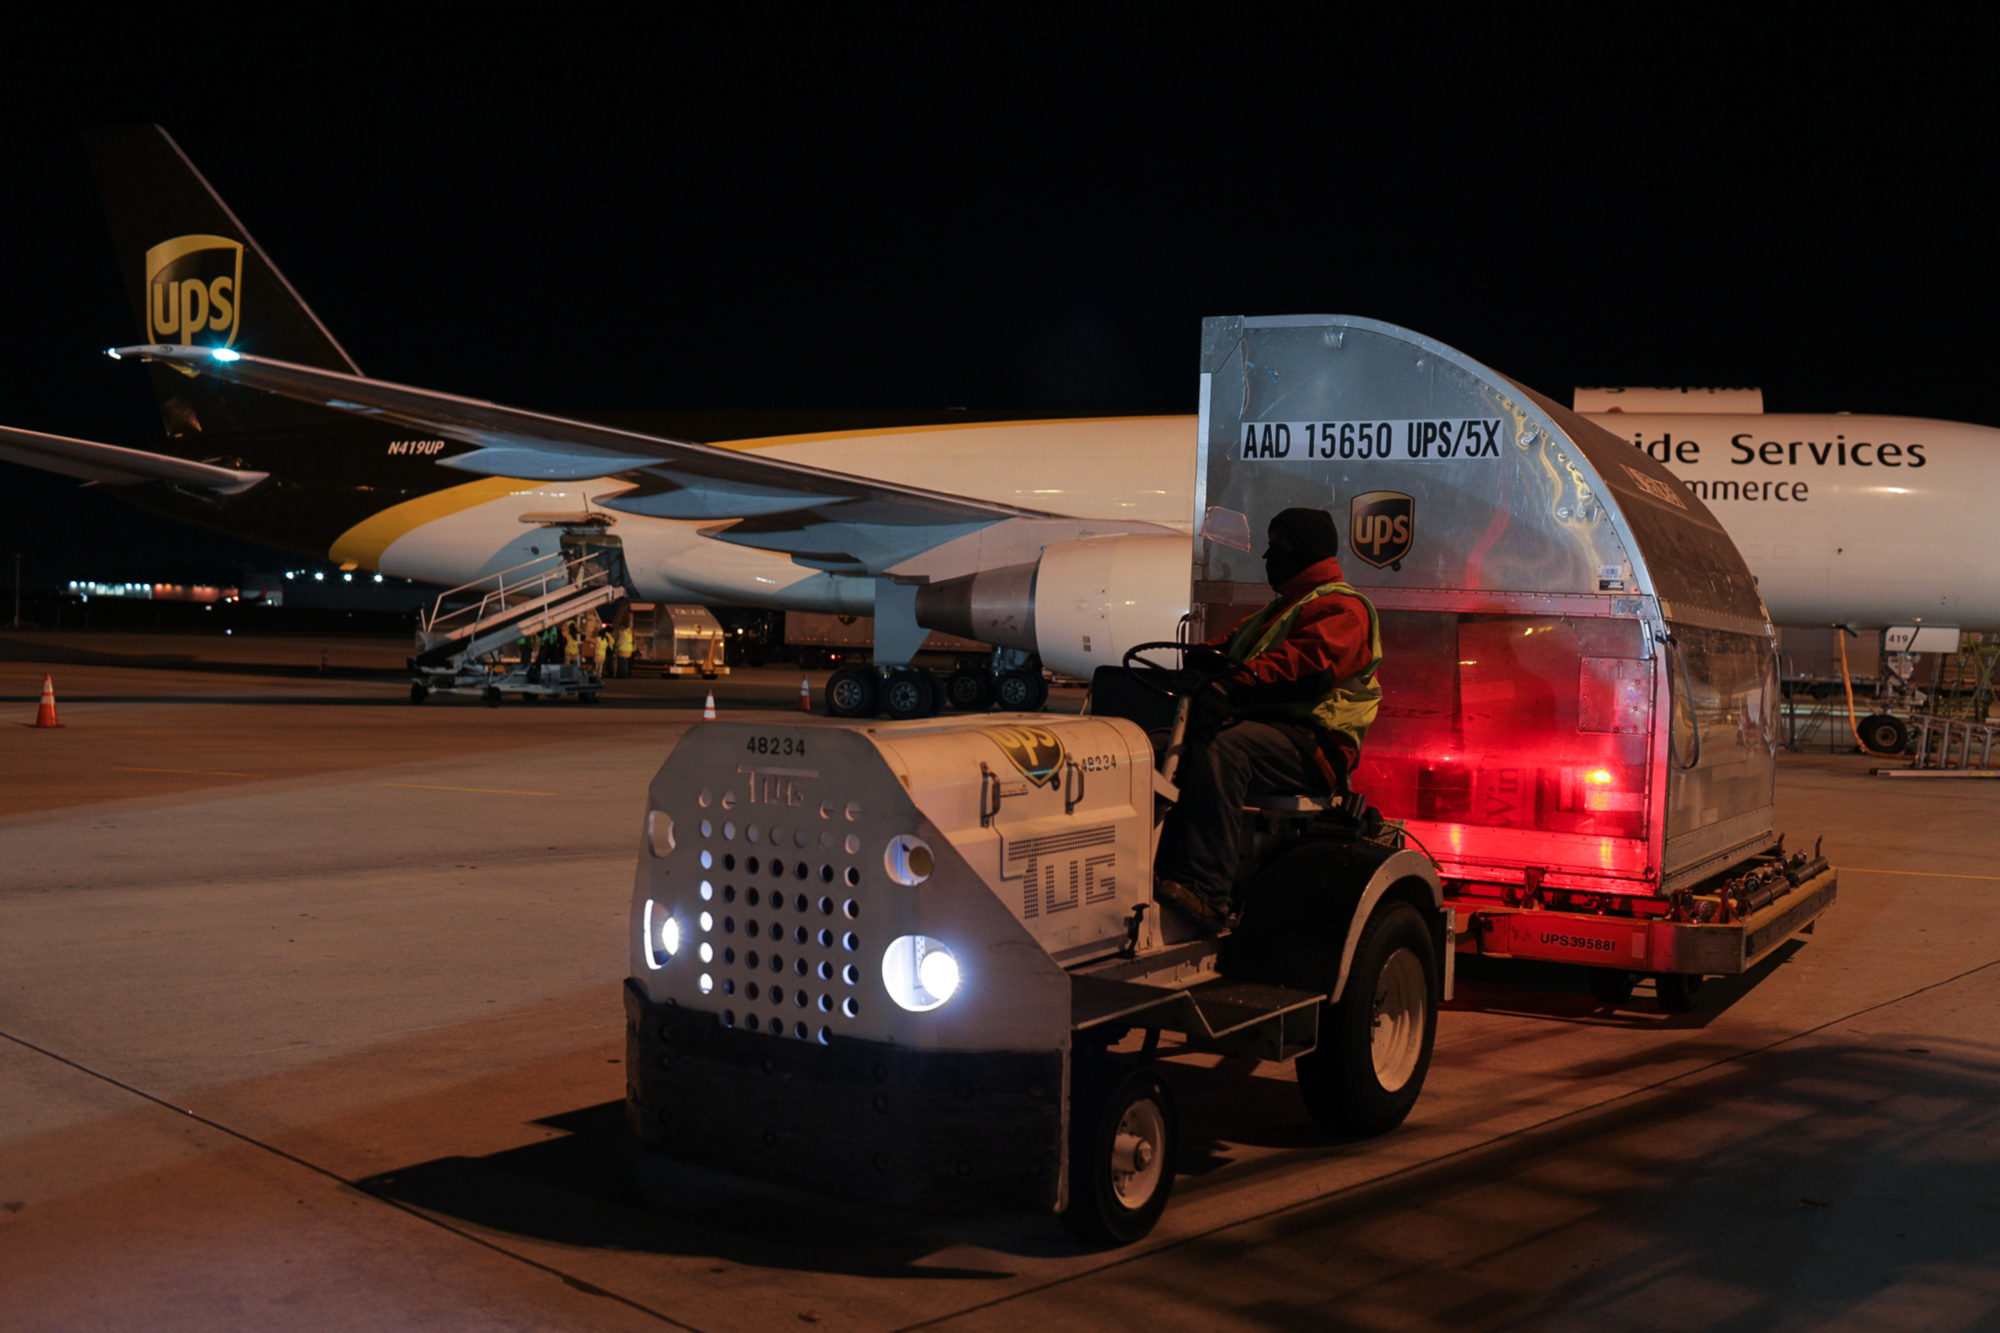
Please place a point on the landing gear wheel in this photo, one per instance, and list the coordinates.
(1123, 1141)
(851, 692)
(1677, 991)
(1021, 690)
(1884, 733)
(1375, 1045)
(419, 692)
(1612, 985)
(492, 696)
(909, 692)
(969, 691)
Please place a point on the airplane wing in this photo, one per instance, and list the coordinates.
(116, 465)
(823, 519)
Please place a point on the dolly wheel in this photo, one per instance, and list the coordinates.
(1375, 1045)
(1123, 1141)
(1677, 991)
(492, 696)
(418, 692)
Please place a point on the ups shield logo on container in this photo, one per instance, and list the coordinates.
(1036, 751)
(191, 291)
(1382, 524)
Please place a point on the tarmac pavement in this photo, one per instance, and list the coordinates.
(310, 1018)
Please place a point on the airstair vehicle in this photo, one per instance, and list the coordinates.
(920, 963)
(461, 639)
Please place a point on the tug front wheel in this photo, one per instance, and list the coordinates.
(1123, 1141)
(1375, 1045)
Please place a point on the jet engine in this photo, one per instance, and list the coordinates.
(1080, 605)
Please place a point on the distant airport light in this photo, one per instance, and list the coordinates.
(224, 354)
(112, 352)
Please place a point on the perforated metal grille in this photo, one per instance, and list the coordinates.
(778, 927)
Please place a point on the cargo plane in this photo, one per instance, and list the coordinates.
(1057, 540)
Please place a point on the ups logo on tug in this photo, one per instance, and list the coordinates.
(1382, 524)
(1036, 751)
(191, 290)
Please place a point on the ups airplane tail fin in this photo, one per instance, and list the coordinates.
(195, 276)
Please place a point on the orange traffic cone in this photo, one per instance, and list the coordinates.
(805, 696)
(46, 716)
(708, 709)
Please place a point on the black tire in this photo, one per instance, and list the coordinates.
(1117, 1190)
(492, 696)
(419, 692)
(588, 697)
(851, 692)
(1678, 992)
(1885, 733)
(1375, 1045)
(909, 692)
(969, 690)
(1612, 985)
(1021, 690)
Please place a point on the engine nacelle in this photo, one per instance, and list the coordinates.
(1079, 606)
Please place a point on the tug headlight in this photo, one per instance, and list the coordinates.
(662, 935)
(919, 972)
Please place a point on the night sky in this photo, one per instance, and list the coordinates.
(1006, 208)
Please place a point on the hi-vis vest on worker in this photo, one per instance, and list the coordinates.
(1352, 705)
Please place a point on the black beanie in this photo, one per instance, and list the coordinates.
(1308, 533)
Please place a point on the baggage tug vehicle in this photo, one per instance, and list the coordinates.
(900, 963)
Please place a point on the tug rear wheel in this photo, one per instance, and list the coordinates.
(1123, 1142)
(1375, 1045)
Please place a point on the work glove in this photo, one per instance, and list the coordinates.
(1208, 709)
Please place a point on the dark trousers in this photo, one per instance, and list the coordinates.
(1199, 841)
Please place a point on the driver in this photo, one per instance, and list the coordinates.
(1289, 710)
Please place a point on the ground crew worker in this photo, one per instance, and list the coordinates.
(571, 648)
(1292, 704)
(600, 645)
(625, 647)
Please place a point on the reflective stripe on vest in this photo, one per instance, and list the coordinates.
(1352, 704)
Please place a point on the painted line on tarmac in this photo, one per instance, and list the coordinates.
(1920, 874)
(1525, 1135)
(567, 1278)
(194, 772)
(486, 791)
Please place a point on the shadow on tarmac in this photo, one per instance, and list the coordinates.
(1795, 1183)
(593, 1188)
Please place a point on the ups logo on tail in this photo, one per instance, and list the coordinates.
(1382, 526)
(191, 290)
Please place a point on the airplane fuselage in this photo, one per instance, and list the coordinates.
(1864, 521)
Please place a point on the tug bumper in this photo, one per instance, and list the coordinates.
(931, 1130)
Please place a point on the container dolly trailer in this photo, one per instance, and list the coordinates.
(894, 962)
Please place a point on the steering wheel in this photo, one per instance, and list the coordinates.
(1199, 663)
